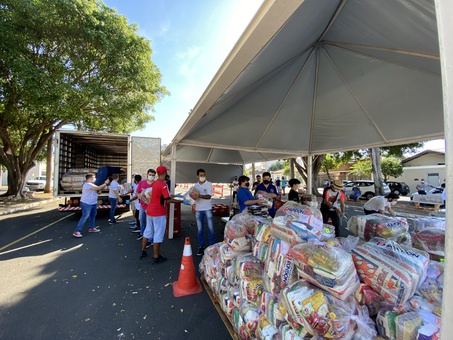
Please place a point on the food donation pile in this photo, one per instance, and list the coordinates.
(290, 278)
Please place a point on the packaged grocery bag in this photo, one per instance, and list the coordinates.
(328, 267)
(378, 225)
(393, 272)
(430, 240)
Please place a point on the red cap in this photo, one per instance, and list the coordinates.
(161, 170)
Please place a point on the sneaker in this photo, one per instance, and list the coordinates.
(77, 234)
(143, 255)
(136, 230)
(93, 230)
(131, 223)
(159, 259)
(132, 226)
(112, 221)
(139, 237)
(200, 251)
(149, 244)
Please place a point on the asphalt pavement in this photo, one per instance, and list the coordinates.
(54, 286)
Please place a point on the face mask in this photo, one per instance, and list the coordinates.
(247, 184)
(393, 202)
(266, 181)
(202, 179)
(150, 178)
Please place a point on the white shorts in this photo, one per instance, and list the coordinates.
(155, 228)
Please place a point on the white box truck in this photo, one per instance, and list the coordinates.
(80, 152)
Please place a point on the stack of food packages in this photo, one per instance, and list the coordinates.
(289, 278)
(400, 285)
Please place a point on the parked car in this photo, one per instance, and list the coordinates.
(366, 187)
(37, 183)
(399, 188)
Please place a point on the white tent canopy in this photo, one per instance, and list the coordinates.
(319, 76)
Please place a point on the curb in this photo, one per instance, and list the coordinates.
(27, 206)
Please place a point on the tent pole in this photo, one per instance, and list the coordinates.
(444, 28)
(309, 174)
(171, 215)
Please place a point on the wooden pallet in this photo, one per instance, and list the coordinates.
(225, 318)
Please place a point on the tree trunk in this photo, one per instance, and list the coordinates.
(316, 167)
(16, 181)
(376, 166)
(49, 167)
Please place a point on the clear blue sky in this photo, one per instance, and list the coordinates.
(190, 41)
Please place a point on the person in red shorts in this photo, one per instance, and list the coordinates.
(156, 216)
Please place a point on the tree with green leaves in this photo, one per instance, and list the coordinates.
(391, 166)
(68, 63)
(361, 169)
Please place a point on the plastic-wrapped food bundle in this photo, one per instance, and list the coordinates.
(279, 265)
(210, 261)
(330, 268)
(74, 178)
(431, 241)
(377, 225)
(322, 314)
(298, 212)
(250, 222)
(369, 298)
(266, 199)
(392, 270)
(265, 330)
(250, 315)
(295, 223)
(191, 195)
(432, 287)
(408, 324)
(418, 223)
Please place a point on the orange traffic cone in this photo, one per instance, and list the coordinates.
(187, 283)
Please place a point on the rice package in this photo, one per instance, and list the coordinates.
(328, 267)
(279, 266)
(320, 313)
(378, 225)
(393, 272)
(431, 241)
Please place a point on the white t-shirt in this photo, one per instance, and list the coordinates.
(113, 186)
(137, 204)
(202, 204)
(89, 196)
(377, 203)
(235, 185)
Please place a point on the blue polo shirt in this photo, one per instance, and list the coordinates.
(270, 189)
(243, 195)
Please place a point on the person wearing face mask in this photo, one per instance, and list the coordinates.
(244, 196)
(293, 194)
(332, 205)
(141, 187)
(269, 188)
(203, 209)
(379, 204)
(423, 187)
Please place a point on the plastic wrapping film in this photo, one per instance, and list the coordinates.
(377, 225)
(295, 223)
(394, 271)
(407, 324)
(328, 267)
(431, 241)
(191, 195)
(321, 314)
(418, 223)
